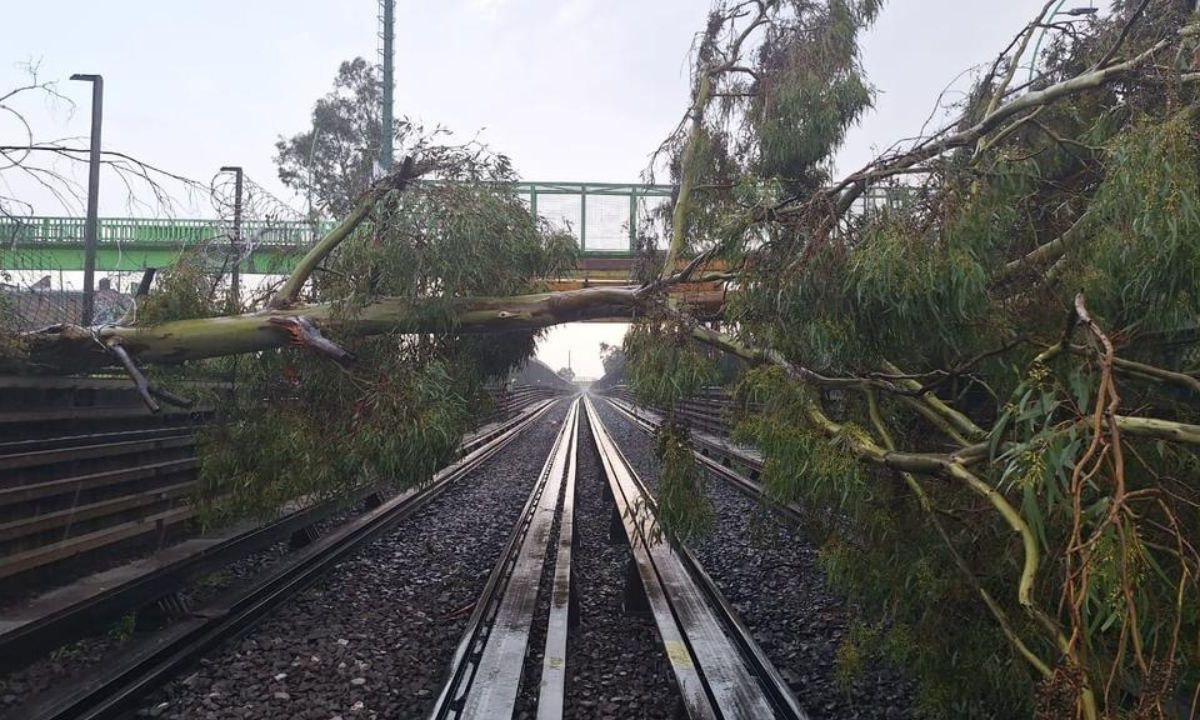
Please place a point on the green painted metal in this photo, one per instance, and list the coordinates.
(633, 219)
(583, 220)
(576, 188)
(131, 244)
(135, 258)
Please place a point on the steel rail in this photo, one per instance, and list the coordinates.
(563, 614)
(113, 689)
(712, 447)
(721, 671)
(484, 675)
(15, 447)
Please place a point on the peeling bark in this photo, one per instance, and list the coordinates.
(72, 348)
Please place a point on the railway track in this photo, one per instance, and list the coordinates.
(88, 480)
(117, 687)
(722, 673)
(758, 553)
(738, 466)
(46, 622)
(486, 669)
(518, 653)
(718, 667)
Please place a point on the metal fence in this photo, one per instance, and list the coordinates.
(39, 230)
(604, 217)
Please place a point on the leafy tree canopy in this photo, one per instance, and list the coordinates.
(974, 360)
(336, 159)
(333, 162)
(985, 388)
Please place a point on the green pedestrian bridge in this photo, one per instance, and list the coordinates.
(603, 216)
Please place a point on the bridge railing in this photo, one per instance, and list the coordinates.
(604, 217)
(40, 230)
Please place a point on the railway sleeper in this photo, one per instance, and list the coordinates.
(305, 536)
(160, 613)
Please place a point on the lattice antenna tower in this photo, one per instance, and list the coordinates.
(387, 54)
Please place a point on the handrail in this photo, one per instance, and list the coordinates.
(174, 233)
(47, 230)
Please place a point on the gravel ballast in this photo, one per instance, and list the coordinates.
(617, 666)
(769, 573)
(374, 638)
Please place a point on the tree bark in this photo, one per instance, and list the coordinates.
(72, 348)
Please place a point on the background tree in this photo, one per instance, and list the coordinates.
(612, 358)
(334, 161)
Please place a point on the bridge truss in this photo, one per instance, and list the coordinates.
(604, 217)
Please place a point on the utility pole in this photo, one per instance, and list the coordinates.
(90, 228)
(388, 8)
(236, 241)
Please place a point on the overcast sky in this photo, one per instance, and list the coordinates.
(570, 89)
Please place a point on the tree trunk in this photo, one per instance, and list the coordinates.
(71, 348)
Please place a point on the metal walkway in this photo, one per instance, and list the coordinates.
(602, 216)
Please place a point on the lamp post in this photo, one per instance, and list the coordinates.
(90, 228)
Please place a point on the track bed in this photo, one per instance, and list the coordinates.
(769, 572)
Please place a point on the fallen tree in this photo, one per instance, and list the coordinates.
(978, 352)
(71, 348)
(286, 320)
(991, 381)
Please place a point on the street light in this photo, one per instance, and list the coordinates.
(93, 202)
